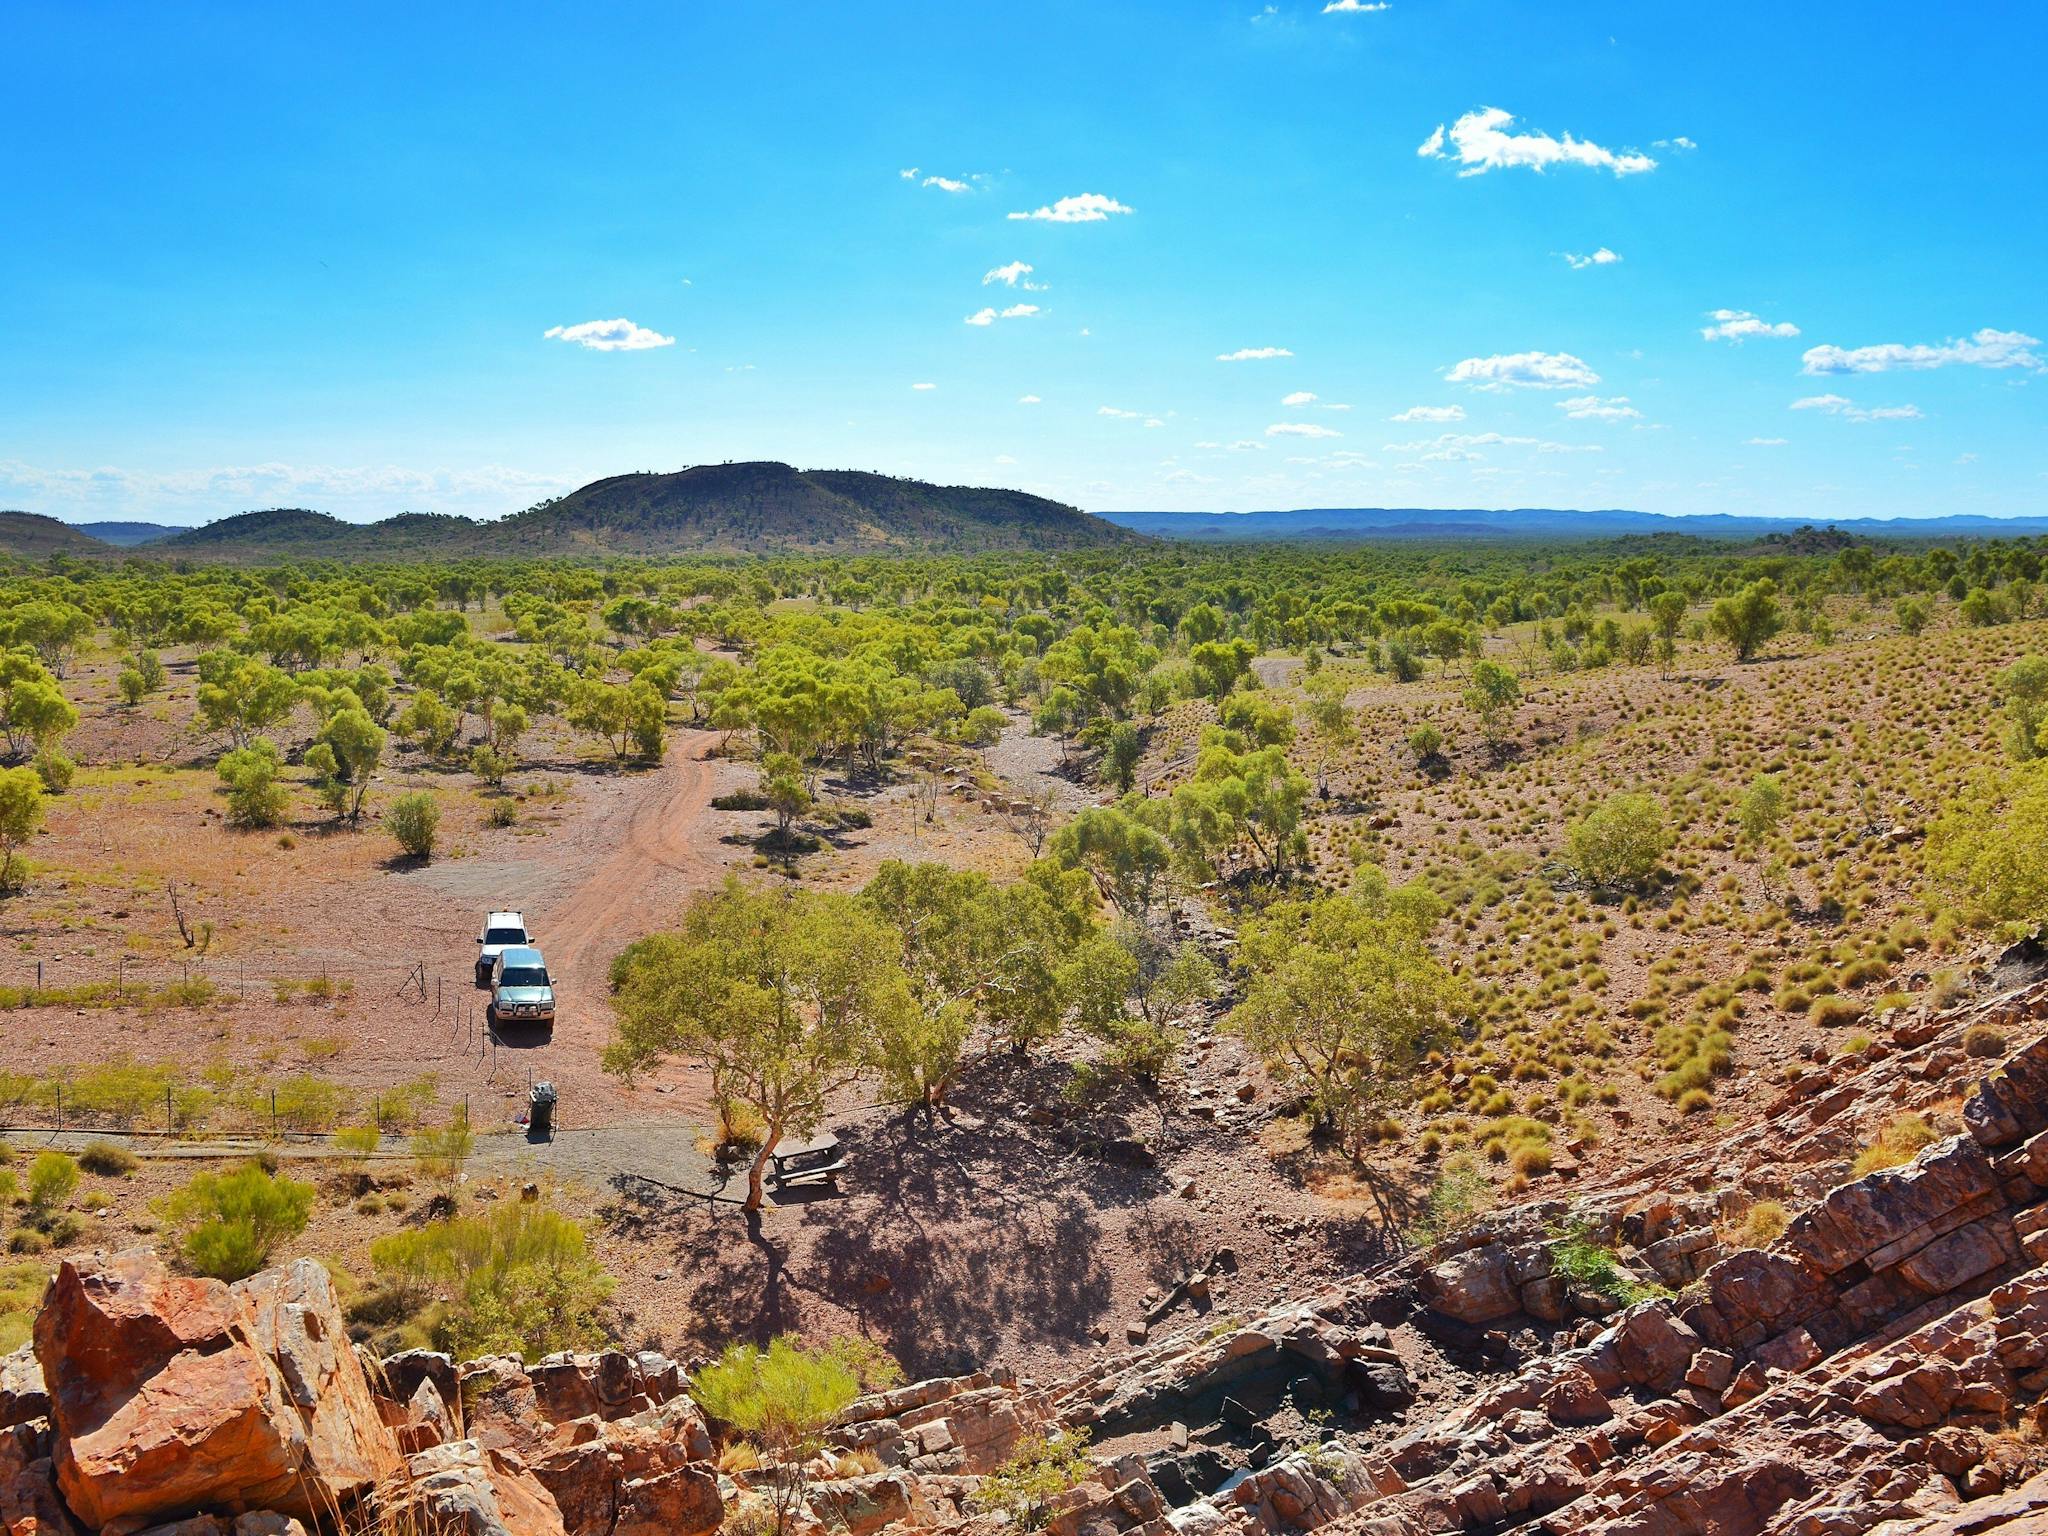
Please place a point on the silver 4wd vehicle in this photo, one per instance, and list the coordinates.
(522, 992)
(501, 930)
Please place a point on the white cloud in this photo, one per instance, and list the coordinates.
(1016, 274)
(1252, 354)
(924, 386)
(1767, 442)
(908, 173)
(609, 336)
(1593, 408)
(1681, 142)
(1739, 325)
(1247, 445)
(1300, 429)
(1840, 405)
(194, 495)
(989, 316)
(1480, 142)
(1356, 7)
(1457, 447)
(1600, 258)
(1524, 370)
(1110, 410)
(945, 184)
(1029, 400)
(1299, 397)
(1430, 413)
(1083, 208)
(1985, 349)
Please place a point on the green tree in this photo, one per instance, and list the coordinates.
(1492, 695)
(1749, 619)
(1343, 993)
(243, 696)
(1621, 840)
(1913, 614)
(782, 786)
(781, 1399)
(344, 755)
(1126, 856)
(787, 996)
(1762, 807)
(255, 797)
(1992, 846)
(2025, 686)
(21, 816)
(414, 820)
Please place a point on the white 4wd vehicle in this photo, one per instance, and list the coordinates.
(501, 931)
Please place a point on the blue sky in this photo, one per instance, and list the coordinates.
(262, 255)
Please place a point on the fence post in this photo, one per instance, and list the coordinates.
(121, 980)
(273, 1112)
(170, 1118)
(60, 1105)
(39, 975)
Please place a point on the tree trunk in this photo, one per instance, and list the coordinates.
(756, 1195)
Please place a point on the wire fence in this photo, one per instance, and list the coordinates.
(446, 1018)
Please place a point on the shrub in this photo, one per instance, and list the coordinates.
(51, 1179)
(255, 797)
(107, 1160)
(1041, 1469)
(413, 820)
(1899, 1142)
(228, 1223)
(1984, 1041)
(357, 1142)
(1765, 1224)
(1458, 1196)
(1621, 840)
(518, 1281)
(442, 1153)
(1833, 1011)
(1581, 1260)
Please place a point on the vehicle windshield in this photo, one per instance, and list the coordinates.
(524, 976)
(504, 935)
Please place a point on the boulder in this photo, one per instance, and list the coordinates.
(472, 1489)
(684, 1502)
(1473, 1287)
(29, 1502)
(169, 1395)
(22, 1396)
(1653, 1347)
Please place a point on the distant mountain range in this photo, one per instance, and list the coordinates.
(711, 509)
(770, 508)
(1536, 523)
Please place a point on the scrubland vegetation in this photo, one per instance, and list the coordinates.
(1484, 854)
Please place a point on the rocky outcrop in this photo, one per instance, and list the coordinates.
(168, 1395)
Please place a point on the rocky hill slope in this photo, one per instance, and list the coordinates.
(1878, 1367)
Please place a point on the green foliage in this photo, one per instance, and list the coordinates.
(1748, 619)
(344, 756)
(2025, 686)
(1343, 993)
(1762, 807)
(414, 819)
(1992, 846)
(1581, 1260)
(21, 816)
(1043, 1467)
(228, 1224)
(107, 1160)
(21, 1298)
(1458, 1196)
(255, 797)
(1492, 695)
(51, 1179)
(443, 1152)
(519, 1280)
(1620, 841)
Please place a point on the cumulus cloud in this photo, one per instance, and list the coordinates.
(945, 184)
(1848, 410)
(924, 386)
(1593, 408)
(1299, 397)
(990, 315)
(1984, 349)
(1252, 354)
(1455, 447)
(1430, 413)
(609, 336)
(1739, 325)
(1016, 274)
(1600, 258)
(1480, 142)
(1082, 208)
(1356, 7)
(1120, 415)
(1029, 400)
(1524, 370)
(1300, 429)
(1681, 142)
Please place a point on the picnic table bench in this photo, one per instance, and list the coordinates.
(816, 1161)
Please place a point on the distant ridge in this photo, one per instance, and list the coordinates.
(125, 535)
(1538, 523)
(710, 509)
